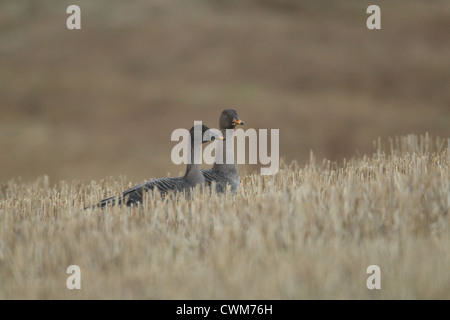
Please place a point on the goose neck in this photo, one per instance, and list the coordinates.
(193, 168)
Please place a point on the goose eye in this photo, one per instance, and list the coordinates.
(213, 138)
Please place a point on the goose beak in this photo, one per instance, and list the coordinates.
(217, 137)
(238, 121)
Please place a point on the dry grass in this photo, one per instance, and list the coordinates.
(306, 232)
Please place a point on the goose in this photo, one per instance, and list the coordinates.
(223, 174)
(190, 180)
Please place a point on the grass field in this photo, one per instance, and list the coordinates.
(307, 232)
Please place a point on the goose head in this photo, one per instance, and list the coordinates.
(208, 135)
(229, 119)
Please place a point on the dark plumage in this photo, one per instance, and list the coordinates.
(185, 184)
(224, 174)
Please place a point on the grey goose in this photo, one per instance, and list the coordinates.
(192, 177)
(223, 174)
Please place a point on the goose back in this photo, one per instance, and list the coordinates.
(134, 195)
(222, 178)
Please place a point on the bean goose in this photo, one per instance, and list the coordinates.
(223, 173)
(190, 180)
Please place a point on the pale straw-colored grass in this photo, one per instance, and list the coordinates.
(304, 233)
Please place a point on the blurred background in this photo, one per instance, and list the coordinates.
(103, 101)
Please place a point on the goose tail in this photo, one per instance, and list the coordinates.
(111, 201)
